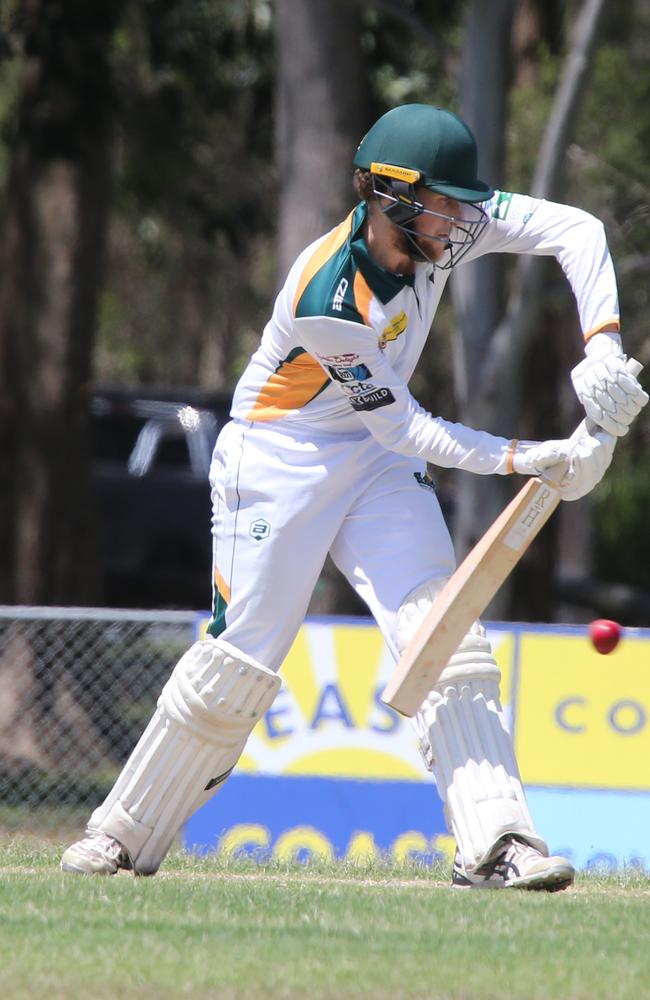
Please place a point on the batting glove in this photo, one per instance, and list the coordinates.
(573, 466)
(611, 396)
(533, 458)
(590, 458)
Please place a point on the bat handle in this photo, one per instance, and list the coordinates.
(634, 367)
(555, 474)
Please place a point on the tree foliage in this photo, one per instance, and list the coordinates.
(192, 216)
(191, 233)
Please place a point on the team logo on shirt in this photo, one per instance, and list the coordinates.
(502, 207)
(425, 481)
(396, 326)
(516, 208)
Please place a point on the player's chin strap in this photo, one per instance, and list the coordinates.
(465, 742)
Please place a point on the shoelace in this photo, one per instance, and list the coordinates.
(522, 852)
(515, 856)
(103, 844)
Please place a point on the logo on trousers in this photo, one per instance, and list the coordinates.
(260, 529)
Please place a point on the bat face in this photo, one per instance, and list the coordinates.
(533, 515)
(466, 595)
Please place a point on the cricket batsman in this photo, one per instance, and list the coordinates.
(326, 452)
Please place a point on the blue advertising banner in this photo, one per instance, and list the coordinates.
(594, 829)
(297, 818)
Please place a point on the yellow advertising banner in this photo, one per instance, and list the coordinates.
(582, 719)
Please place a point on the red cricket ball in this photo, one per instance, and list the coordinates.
(605, 634)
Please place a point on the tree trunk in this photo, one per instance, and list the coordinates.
(478, 288)
(504, 351)
(536, 22)
(52, 240)
(320, 117)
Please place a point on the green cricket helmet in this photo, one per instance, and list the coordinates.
(417, 144)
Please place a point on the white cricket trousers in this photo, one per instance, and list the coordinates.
(283, 498)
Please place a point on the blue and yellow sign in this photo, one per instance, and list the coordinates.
(332, 771)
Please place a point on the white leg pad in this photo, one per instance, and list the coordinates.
(205, 713)
(467, 746)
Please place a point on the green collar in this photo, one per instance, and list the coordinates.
(382, 283)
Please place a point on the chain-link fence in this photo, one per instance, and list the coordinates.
(77, 687)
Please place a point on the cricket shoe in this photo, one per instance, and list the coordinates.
(96, 854)
(516, 866)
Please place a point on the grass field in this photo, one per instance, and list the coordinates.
(208, 928)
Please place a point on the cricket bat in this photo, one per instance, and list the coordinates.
(473, 585)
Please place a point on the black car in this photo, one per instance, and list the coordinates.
(150, 473)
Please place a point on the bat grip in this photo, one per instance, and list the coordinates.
(555, 474)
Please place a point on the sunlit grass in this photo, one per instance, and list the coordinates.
(214, 927)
